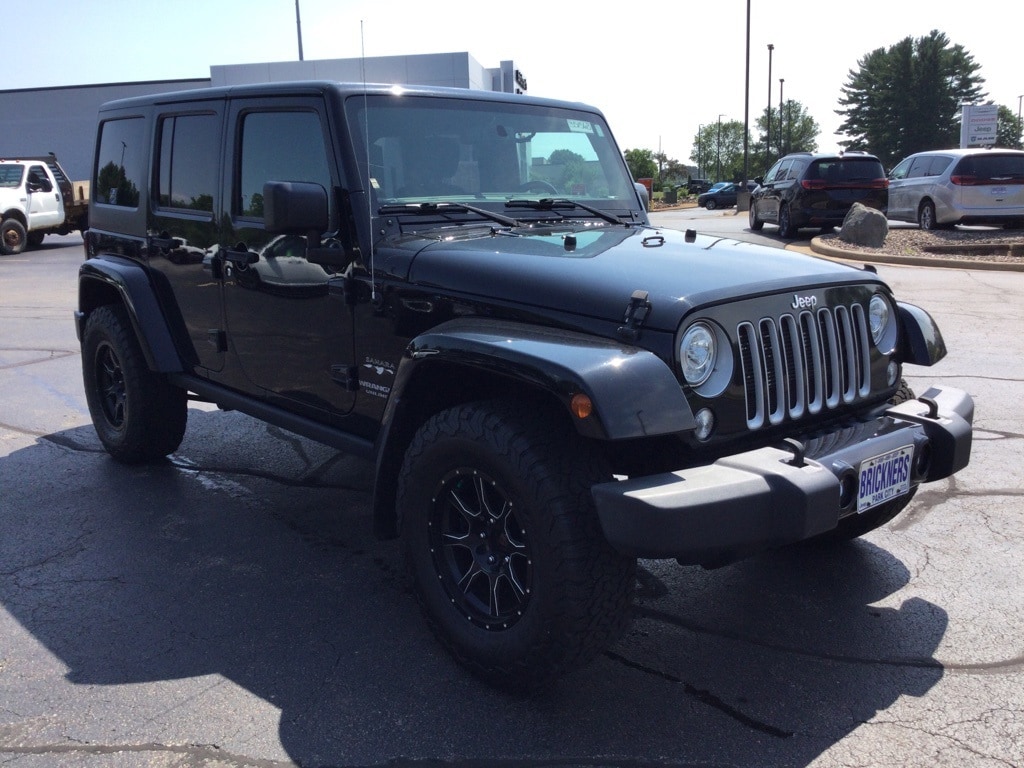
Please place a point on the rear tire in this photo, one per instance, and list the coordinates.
(13, 238)
(137, 414)
(503, 544)
(926, 216)
(786, 228)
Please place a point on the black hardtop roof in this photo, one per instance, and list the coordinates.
(342, 90)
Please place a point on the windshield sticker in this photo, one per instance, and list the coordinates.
(580, 126)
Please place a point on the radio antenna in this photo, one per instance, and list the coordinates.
(366, 141)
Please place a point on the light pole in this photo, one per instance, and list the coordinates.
(782, 146)
(1020, 128)
(768, 134)
(298, 27)
(743, 196)
(718, 150)
(700, 131)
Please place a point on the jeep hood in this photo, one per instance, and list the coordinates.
(594, 271)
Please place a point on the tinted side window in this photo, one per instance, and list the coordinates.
(796, 170)
(187, 169)
(120, 162)
(919, 168)
(773, 172)
(938, 165)
(279, 146)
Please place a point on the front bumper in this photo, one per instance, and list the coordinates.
(765, 498)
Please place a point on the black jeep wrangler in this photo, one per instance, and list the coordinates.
(464, 288)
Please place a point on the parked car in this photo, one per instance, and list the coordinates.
(38, 199)
(817, 190)
(959, 186)
(546, 386)
(723, 197)
(696, 186)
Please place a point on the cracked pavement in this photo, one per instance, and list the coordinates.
(230, 606)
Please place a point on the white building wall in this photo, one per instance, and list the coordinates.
(63, 120)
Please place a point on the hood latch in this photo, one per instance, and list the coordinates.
(636, 313)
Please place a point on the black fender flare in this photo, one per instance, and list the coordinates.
(634, 393)
(921, 341)
(99, 277)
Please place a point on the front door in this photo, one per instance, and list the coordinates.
(45, 208)
(289, 334)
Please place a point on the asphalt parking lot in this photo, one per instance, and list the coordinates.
(230, 606)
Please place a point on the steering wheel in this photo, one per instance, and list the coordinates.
(537, 185)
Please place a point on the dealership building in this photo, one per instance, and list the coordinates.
(62, 120)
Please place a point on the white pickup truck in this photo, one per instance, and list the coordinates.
(38, 199)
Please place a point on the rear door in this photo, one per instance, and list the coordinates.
(991, 183)
(850, 180)
(182, 230)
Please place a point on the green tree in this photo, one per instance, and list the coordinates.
(907, 98)
(641, 163)
(793, 130)
(718, 150)
(1008, 134)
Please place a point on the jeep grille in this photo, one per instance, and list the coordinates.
(804, 363)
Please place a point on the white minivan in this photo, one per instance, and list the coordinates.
(959, 186)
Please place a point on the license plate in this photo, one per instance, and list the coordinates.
(884, 477)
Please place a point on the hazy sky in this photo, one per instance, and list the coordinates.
(656, 69)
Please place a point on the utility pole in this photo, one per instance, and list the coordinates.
(718, 150)
(768, 133)
(782, 119)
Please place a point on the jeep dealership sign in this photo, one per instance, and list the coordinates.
(978, 125)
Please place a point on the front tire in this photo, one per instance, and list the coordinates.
(13, 237)
(503, 544)
(755, 224)
(711, 205)
(137, 414)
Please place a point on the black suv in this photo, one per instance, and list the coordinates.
(464, 288)
(817, 190)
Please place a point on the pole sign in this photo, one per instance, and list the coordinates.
(978, 125)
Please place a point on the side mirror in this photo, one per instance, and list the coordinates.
(295, 208)
(645, 198)
(300, 208)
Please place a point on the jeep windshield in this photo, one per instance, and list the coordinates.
(490, 155)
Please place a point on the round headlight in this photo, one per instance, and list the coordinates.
(697, 354)
(878, 317)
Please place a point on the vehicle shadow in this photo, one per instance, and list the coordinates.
(249, 555)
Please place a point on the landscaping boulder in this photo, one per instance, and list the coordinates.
(864, 226)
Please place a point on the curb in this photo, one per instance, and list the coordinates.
(829, 251)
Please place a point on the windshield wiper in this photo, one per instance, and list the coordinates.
(427, 209)
(552, 204)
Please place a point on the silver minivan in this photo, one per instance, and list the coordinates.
(959, 186)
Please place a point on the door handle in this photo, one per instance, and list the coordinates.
(240, 256)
